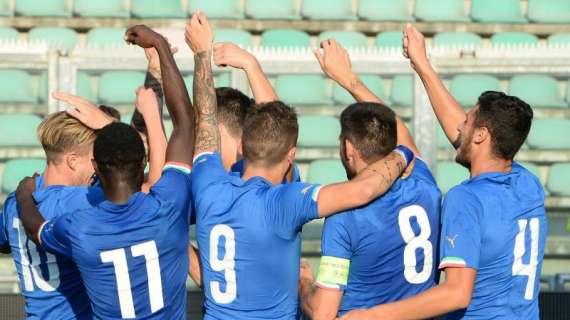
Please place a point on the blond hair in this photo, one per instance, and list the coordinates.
(60, 133)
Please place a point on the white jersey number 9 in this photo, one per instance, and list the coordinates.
(226, 265)
(414, 242)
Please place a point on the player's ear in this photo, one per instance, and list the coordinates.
(239, 148)
(291, 155)
(95, 168)
(71, 160)
(350, 150)
(481, 134)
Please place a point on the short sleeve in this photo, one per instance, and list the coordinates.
(174, 185)
(3, 235)
(336, 247)
(207, 173)
(54, 235)
(461, 230)
(290, 206)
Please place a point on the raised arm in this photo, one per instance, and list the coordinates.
(84, 111)
(335, 62)
(229, 54)
(29, 214)
(195, 269)
(199, 38)
(175, 93)
(371, 183)
(448, 112)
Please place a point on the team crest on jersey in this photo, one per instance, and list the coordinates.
(451, 240)
(306, 189)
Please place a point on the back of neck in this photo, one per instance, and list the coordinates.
(55, 175)
(119, 191)
(489, 165)
(269, 174)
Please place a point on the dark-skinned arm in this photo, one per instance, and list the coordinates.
(29, 214)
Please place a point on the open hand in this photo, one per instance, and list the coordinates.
(229, 54)
(199, 36)
(335, 62)
(146, 102)
(26, 188)
(415, 47)
(86, 112)
(143, 36)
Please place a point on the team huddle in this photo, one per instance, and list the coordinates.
(94, 237)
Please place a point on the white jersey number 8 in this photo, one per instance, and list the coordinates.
(226, 265)
(414, 242)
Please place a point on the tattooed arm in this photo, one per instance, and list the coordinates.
(199, 38)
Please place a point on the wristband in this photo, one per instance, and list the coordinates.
(406, 153)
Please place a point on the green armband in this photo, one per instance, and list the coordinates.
(333, 272)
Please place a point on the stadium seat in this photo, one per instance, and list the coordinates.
(118, 87)
(493, 11)
(222, 79)
(6, 9)
(7, 33)
(467, 88)
(107, 8)
(537, 90)
(389, 39)
(62, 38)
(285, 38)
(83, 88)
(513, 38)
(328, 10)
(449, 175)
(43, 8)
(18, 130)
(457, 39)
(16, 170)
(551, 11)
(302, 89)
(441, 10)
(558, 183)
(105, 37)
(217, 9)
(559, 39)
(274, 9)
(318, 131)
(17, 87)
(549, 134)
(348, 39)
(158, 9)
(402, 91)
(373, 82)
(239, 37)
(326, 171)
(384, 10)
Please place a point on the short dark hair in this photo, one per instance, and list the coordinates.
(270, 130)
(508, 120)
(232, 107)
(371, 128)
(111, 111)
(119, 151)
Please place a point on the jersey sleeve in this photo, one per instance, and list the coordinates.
(175, 185)
(3, 234)
(208, 176)
(461, 230)
(336, 247)
(54, 235)
(290, 206)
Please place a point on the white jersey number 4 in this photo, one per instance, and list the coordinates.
(413, 242)
(527, 270)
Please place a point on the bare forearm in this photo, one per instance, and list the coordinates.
(31, 217)
(195, 271)
(305, 295)
(157, 145)
(207, 136)
(262, 89)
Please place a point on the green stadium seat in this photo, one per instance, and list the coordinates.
(559, 39)
(43, 8)
(16, 170)
(559, 179)
(513, 38)
(158, 9)
(83, 88)
(326, 171)
(106, 37)
(19, 130)
(285, 38)
(537, 90)
(222, 79)
(274, 9)
(7, 33)
(348, 39)
(302, 89)
(389, 39)
(63, 38)
(549, 134)
(384, 10)
(318, 132)
(441, 10)
(467, 88)
(119, 87)
(217, 9)
(328, 10)
(457, 39)
(449, 175)
(239, 37)
(17, 87)
(551, 11)
(107, 8)
(6, 9)
(373, 82)
(402, 91)
(493, 11)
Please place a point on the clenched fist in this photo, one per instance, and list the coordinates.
(199, 35)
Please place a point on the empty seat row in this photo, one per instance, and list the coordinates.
(482, 11)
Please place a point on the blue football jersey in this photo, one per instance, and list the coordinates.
(50, 284)
(249, 238)
(387, 250)
(238, 167)
(496, 224)
(133, 258)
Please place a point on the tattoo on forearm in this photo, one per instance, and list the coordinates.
(208, 137)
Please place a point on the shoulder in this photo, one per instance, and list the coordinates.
(463, 196)
(422, 171)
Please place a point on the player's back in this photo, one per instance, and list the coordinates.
(390, 245)
(508, 241)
